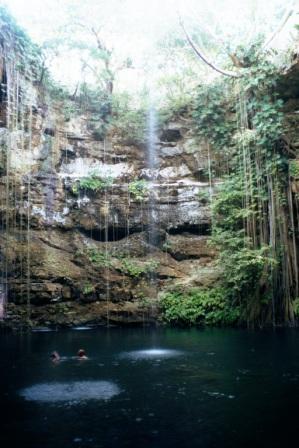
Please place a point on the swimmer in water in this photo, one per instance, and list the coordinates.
(55, 357)
(81, 354)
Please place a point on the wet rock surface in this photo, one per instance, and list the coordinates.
(73, 314)
(188, 246)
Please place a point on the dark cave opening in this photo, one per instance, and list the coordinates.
(195, 229)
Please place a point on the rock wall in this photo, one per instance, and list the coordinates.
(73, 255)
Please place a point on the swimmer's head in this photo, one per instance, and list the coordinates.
(81, 353)
(54, 355)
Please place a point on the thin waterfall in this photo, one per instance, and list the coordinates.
(153, 220)
(152, 166)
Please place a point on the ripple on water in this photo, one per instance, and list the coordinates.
(75, 392)
(152, 353)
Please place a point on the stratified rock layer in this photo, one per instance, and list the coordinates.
(90, 254)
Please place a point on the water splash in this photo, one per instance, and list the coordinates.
(152, 353)
(72, 393)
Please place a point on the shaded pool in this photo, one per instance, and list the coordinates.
(150, 388)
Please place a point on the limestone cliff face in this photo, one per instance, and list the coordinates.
(70, 254)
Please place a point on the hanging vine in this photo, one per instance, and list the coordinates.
(253, 222)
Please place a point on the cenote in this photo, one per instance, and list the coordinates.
(151, 388)
(149, 215)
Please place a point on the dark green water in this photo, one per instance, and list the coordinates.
(212, 388)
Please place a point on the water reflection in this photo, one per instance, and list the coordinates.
(78, 391)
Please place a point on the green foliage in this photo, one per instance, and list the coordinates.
(128, 121)
(56, 92)
(92, 183)
(178, 95)
(30, 59)
(245, 138)
(241, 207)
(167, 245)
(211, 116)
(138, 189)
(70, 109)
(267, 122)
(98, 258)
(27, 54)
(228, 210)
(260, 76)
(204, 197)
(75, 188)
(144, 303)
(152, 266)
(294, 169)
(199, 306)
(242, 265)
(88, 289)
(175, 107)
(136, 269)
(96, 100)
(95, 183)
(243, 268)
(296, 307)
(264, 109)
(131, 267)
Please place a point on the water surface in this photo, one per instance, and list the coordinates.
(150, 388)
